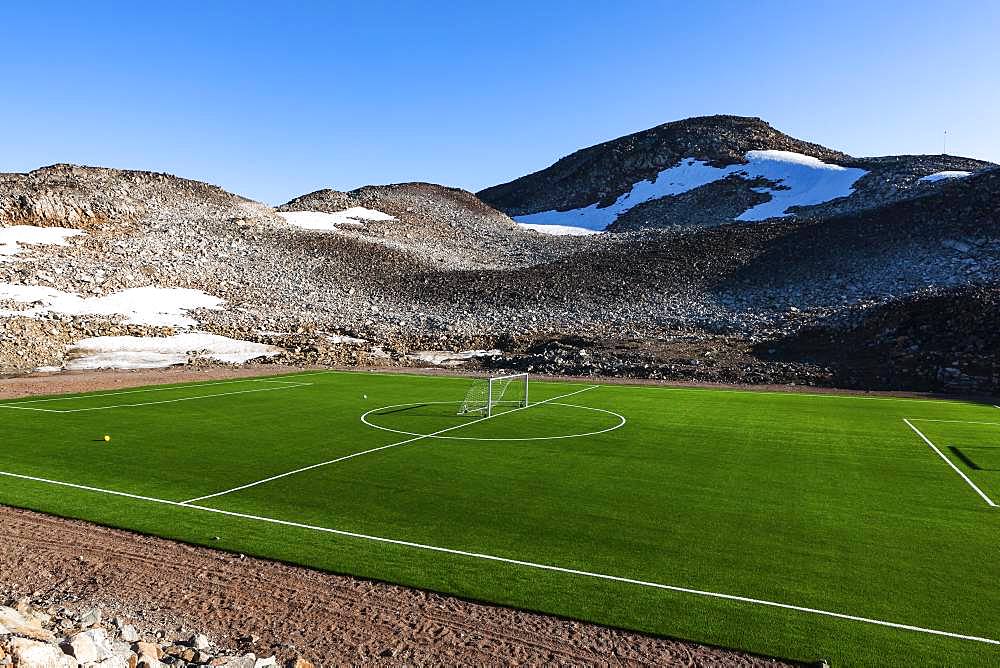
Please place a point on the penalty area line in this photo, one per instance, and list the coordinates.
(288, 386)
(950, 463)
(163, 388)
(736, 598)
(407, 441)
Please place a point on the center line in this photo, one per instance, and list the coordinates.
(382, 447)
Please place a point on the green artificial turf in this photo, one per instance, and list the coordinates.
(824, 502)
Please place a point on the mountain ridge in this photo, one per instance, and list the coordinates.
(696, 284)
(707, 154)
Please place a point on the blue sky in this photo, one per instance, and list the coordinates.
(272, 100)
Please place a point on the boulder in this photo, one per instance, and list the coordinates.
(129, 634)
(34, 654)
(14, 623)
(83, 648)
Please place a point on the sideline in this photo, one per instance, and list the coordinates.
(528, 564)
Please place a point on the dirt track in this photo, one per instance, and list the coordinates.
(290, 611)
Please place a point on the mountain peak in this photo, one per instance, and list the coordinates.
(601, 173)
(710, 170)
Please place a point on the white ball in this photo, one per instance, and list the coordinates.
(364, 396)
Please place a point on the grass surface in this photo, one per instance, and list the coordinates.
(823, 502)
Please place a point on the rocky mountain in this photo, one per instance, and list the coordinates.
(447, 227)
(711, 171)
(88, 197)
(904, 267)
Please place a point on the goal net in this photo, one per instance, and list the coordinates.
(486, 394)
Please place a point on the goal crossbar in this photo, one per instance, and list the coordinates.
(487, 393)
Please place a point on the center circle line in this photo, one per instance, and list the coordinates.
(365, 420)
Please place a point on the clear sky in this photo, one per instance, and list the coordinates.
(275, 99)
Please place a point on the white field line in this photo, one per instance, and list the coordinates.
(147, 389)
(344, 372)
(559, 381)
(377, 374)
(382, 447)
(621, 423)
(519, 562)
(814, 395)
(957, 470)
(996, 424)
(284, 386)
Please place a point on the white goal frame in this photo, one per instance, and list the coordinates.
(476, 402)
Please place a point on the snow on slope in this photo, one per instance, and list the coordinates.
(139, 352)
(809, 181)
(941, 176)
(806, 180)
(559, 230)
(318, 220)
(11, 238)
(166, 307)
(449, 358)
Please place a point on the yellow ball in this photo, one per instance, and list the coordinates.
(106, 438)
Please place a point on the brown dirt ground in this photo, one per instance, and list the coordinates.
(271, 608)
(267, 607)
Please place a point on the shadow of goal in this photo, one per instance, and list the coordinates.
(978, 457)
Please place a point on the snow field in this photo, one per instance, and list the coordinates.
(804, 181)
(318, 220)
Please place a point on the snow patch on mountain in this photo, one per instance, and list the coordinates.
(12, 238)
(947, 174)
(804, 181)
(157, 307)
(318, 220)
(559, 230)
(148, 352)
(449, 358)
(801, 180)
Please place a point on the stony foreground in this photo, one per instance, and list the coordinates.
(75, 594)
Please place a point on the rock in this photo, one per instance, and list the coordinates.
(83, 648)
(104, 646)
(147, 661)
(200, 641)
(114, 662)
(149, 649)
(15, 623)
(129, 634)
(269, 662)
(245, 661)
(34, 654)
(300, 663)
(91, 617)
(959, 246)
(181, 652)
(90, 646)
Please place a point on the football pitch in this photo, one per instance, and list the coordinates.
(859, 529)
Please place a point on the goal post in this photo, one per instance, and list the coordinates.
(485, 394)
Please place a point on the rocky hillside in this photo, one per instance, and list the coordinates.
(387, 275)
(88, 197)
(710, 171)
(446, 227)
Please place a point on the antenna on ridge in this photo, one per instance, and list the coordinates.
(944, 144)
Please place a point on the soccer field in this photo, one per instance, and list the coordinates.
(859, 529)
